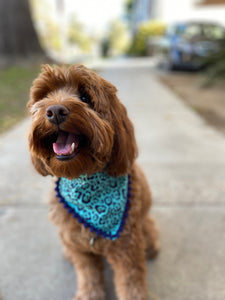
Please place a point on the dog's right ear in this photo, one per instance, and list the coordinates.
(39, 89)
(39, 165)
(47, 81)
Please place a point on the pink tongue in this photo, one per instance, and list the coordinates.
(63, 145)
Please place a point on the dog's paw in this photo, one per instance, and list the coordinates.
(92, 295)
(67, 255)
(151, 234)
(153, 250)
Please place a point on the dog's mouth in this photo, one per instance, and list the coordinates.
(67, 145)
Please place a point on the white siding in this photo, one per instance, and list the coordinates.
(180, 10)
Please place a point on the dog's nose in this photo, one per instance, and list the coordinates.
(57, 113)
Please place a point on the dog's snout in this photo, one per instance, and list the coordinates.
(57, 113)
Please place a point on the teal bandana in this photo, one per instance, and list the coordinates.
(99, 201)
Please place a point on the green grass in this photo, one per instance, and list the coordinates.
(15, 83)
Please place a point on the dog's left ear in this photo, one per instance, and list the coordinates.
(37, 162)
(124, 149)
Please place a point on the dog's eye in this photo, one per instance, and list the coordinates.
(85, 98)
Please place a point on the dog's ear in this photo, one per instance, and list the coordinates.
(39, 165)
(48, 80)
(124, 149)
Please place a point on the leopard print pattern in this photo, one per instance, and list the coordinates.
(99, 201)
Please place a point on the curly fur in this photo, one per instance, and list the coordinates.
(110, 146)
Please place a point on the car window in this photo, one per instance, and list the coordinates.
(177, 29)
(180, 29)
(192, 31)
(214, 32)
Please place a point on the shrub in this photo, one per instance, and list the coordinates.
(145, 31)
(215, 70)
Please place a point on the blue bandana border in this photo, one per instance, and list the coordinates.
(81, 220)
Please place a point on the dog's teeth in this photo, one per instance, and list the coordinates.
(72, 148)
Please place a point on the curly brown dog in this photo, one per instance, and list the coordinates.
(81, 134)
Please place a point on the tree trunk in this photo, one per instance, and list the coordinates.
(18, 38)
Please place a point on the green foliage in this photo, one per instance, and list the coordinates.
(77, 35)
(145, 31)
(215, 70)
(118, 38)
(57, 34)
(14, 93)
(129, 4)
(47, 26)
(51, 36)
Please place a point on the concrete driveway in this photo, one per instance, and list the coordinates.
(184, 160)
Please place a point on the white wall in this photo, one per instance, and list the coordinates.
(171, 11)
(211, 13)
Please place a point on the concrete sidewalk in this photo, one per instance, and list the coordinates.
(184, 160)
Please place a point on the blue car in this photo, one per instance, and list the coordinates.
(187, 45)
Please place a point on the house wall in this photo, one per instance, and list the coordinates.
(171, 11)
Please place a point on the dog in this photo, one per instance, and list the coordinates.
(81, 134)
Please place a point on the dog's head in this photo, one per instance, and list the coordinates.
(79, 125)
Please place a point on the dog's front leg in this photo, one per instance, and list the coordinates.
(89, 268)
(129, 265)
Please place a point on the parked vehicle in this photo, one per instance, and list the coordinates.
(187, 45)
